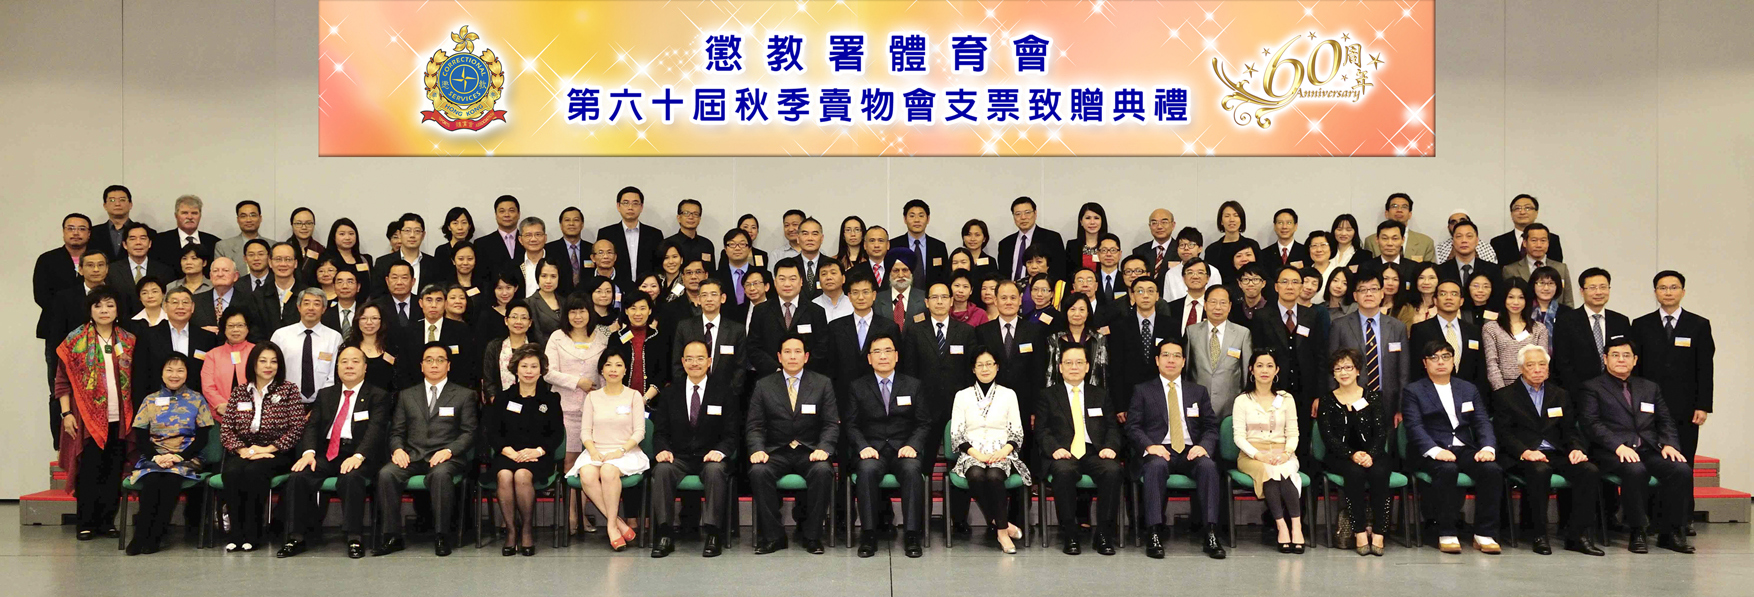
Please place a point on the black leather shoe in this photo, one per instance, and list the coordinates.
(1214, 548)
(391, 544)
(291, 548)
(1583, 545)
(1690, 531)
(867, 544)
(1154, 545)
(712, 549)
(508, 551)
(112, 532)
(663, 546)
(355, 549)
(962, 531)
(813, 546)
(1638, 542)
(770, 546)
(1102, 544)
(1676, 542)
(1543, 547)
(441, 546)
(1297, 548)
(1069, 544)
(86, 535)
(911, 545)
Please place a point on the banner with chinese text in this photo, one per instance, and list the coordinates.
(876, 78)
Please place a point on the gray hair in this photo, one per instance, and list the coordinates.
(1522, 356)
(532, 221)
(188, 200)
(313, 291)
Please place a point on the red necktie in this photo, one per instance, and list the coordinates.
(900, 311)
(1290, 324)
(1284, 255)
(341, 416)
(1193, 312)
(877, 270)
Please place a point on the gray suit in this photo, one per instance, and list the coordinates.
(421, 431)
(885, 305)
(1225, 381)
(1520, 269)
(1348, 332)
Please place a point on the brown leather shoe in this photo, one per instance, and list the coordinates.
(1488, 546)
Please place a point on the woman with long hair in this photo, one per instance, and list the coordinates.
(852, 241)
(343, 249)
(1264, 427)
(1092, 225)
(1505, 337)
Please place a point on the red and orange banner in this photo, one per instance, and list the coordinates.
(876, 78)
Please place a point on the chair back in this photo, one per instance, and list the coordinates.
(1227, 441)
(1401, 442)
(645, 442)
(1317, 448)
(949, 449)
(214, 451)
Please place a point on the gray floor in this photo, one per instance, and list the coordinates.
(48, 561)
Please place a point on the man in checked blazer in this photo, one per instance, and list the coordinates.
(431, 431)
(1390, 336)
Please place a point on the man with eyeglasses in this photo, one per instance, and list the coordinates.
(432, 428)
(1462, 336)
(636, 243)
(735, 265)
(886, 426)
(1380, 339)
(695, 424)
(688, 238)
(1012, 248)
(1524, 210)
(572, 250)
(1285, 250)
(850, 336)
(1448, 435)
(1174, 279)
(119, 207)
(810, 258)
(533, 241)
(344, 308)
(1536, 251)
(423, 268)
(1581, 335)
(1415, 246)
(1109, 277)
(1679, 356)
(1079, 438)
(1160, 252)
(788, 314)
(726, 337)
(249, 218)
(431, 327)
(277, 301)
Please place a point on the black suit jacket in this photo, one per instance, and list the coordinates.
(649, 239)
(70, 312)
(370, 420)
(167, 247)
(1054, 429)
(656, 357)
(1051, 245)
(1575, 358)
(847, 355)
(1023, 367)
(700, 247)
(205, 316)
(490, 254)
(812, 286)
(1681, 365)
(1148, 420)
(1521, 428)
(409, 342)
(1472, 365)
(1452, 270)
(868, 426)
(432, 271)
(563, 257)
(941, 373)
(1268, 257)
(122, 276)
(772, 424)
(1147, 251)
(54, 272)
(154, 348)
(719, 426)
(1129, 362)
(767, 330)
(100, 239)
(270, 313)
(1509, 250)
(1305, 372)
(937, 264)
(1610, 422)
(728, 335)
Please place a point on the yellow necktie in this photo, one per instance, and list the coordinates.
(432, 332)
(1455, 344)
(792, 393)
(1079, 436)
(1172, 401)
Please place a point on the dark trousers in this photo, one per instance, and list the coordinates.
(1374, 511)
(98, 486)
(246, 493)
(763, 483)
(1444, 501)
(158, 500)
(1283, 502)
(440, 483)
(907, 473)
(1585, 481)
(988, 486)
(714, 476)
(303, 490)
(1674, 490)
(1203, 470)
(1104, 472)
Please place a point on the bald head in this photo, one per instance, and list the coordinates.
(1162, 225)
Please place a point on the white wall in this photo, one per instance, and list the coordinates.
(1627, 117)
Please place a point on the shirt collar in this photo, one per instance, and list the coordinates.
(440, 385)
(1535, 391)
(1676, 314)
(1589, 313)
(353, 388)
(713, 321)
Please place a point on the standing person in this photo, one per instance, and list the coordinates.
(107, 237)
(498, 372)
(533, 257)
(1355, 427)
(1264, 428)
(887, 430)
(1078, 330)
(276, 302)
(226, 364)
(931, 259)
(1379, 339)
(771, 322)
(1079, 438)
(1537, 253)
(1679, 356)
(343, 249)
(792, 427)
(133, 265)
(852, 242)
(344, 439)
(431, 432)
(937, 353)
(986, 426)
(636, 244)
(259, 428)
(458, 229)
(974, 244)
(752, 227)
(1134, 337)
(572, 249)
(1173, 428)
(1187, 251)
(56, 270)
(1510, 246)
(500, 247)
(1504, 338)
(424, 269)
(311, 346)
(695, 425)
(790, 224)
(1285, 249)
(727, 336)
(1348, 248)
(1448, 434)
(1632, 435)
(1081, 249)
(1160, 253)
(1463, 257)
(170, 243)
(1296, 335)
(850, 336)
(431, 327)
(573, 352)
(687, 237)
(1417, 247)
(1013, 248)
(304, 228)
(1537, 424)
(522, 429)
(170, 431)
(1232, 221)
(1463, 338)
(1581, 335)
(94, 395)
(1219, 350)
(810, 259)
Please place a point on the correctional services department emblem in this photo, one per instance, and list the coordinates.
(464, 86)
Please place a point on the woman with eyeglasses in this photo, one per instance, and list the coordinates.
(1354, 427)
(987, 430)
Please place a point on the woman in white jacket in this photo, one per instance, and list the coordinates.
(987, 431)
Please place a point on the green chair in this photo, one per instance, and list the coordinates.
(1173, 482)
(628, 481)
(889, 482)
(795, 483)
(210, 454)
(1557, 483)
(216, 484)
(489, 493)
(1013, 483)
(1319, 450)
(418, 483)
(1228, 449)
(1085, 483)
(694, 483)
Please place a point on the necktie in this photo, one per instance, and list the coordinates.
(346, 322)
(189, 240)
(788, 311)
(1372, 361)
(1212, 349)
(341, 416)
(877, 273)
(402, 312)
(900, 311)
(1193, 313)
(139, 270)
(1596, 328)
(792, 391)
(1010, 344)
(1079, 435)
(1290, 324)
(1172, 401)
(737, 285)
(1449, 334)
(1284, 255)
(1108, 285)
(709, 341)
(862, 325)
(884, 387)
(307, 374)
(1467, 270)
(218, 305)
(432, 332)
(1539, 263)
(1145, 334)
(1022, 245)
(809, 272)
(431, 397)
(576, 270)
(1626, 394)
(1158, 267)
(694, 407)
(919, 257)
(1669, 326)
(509, 250)
(941, 343)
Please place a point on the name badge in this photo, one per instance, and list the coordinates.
(1120, 294)
(1473, 345)
(311, 254)
(361, 267)
(1193, 410)
(955, 349)
(1467, 407)
(758, 261)
(361, 416)
(1522, 335)
(514, 407)
(1235, 353)
(623, 409)
(707, 257)
(453, 349)
(808, 409)
(472, 291)
(1647, 407)
(1489, 315)
(1360, 404)
(1303, 331)
(904, 400)
(1046, 319)
(627, 336)
(715, 410)
(803, 328)
(727, 349)
(388, 358)
(1026, 348)
(981, 261)
(324, 356)
(1093, 412)
(236, 359)
(819, 284)
(541, 408)
(1555, 412)
(245, 407)
(1297, 264)
(200, 355)
(162, 401)
(937, 262)
(447, 411)
(919, 317)
(582, 345)
(1102, 330)
(1683, 342)
(1394, 347)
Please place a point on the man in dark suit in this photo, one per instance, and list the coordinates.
(1462, 336)
(500, 247)
(1132, 339)
(175, 334)
(167, 246)
(532, 254)
(1284, 250)
(276, 303)
(1295, 332)
(1079, 437)
(209, 304)
(788, 314)
(642, 257)
(1464, 259)
(1632, 435)
(810, 259)
(1160, 252)
(734, 263)
(1189, 308)
(938, 352)
(431, 327)
(688, 238)
(344, 438)
(850, 336)
(425, 269)
(725, 335)
(1448, 434)
(343, 310)
(887, 425)
(400, 307)
(1581, 335)
(69, 303)
(1380, 338)
(1173, 429)
(695, 427)
(904, 289)
(431, 431)
(1012, 247)
(1536, 423)
(107, 236)
(56, 270)
(930, 259)
(793, 427)
(1020, 345)
(1679, 355)
(575, 253)
(133, 264)
(1524, 209)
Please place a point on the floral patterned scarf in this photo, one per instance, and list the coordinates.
(82, 355)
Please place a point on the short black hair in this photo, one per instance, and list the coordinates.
(1593, 272)
(1434, 348)
(442, 348)
(507, 199)
(1668, 273)
(1531, 199)
(630, 189)
(1167, 342)
(1193, 262)
(131, 226)
(871, 341)
(80, 216)
(1135, 285)
(1207, 295)
(791, 212)
(1189, 233)
(116, 187)
(402, 264)
(1465, 222)
(1387, 224)
(1536, 226)
(687, 202)
(734, 233)
(1023, 200)
(1626, 341)
(913, 203)
(1393, 196)
(1283, 211)
(1108, 236)
(266, 248)
(431, 289)
(403, 221)
(759, 273)
(247, 203)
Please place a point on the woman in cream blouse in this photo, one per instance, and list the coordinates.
(614, 422)
(1264, 426)
(987, 431)
(573, 351)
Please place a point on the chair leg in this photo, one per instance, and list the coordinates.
(1230, 494)
(122, 524)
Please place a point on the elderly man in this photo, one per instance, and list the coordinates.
(1536, 425)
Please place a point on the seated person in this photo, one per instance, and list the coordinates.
(1537, 424)
(260, 425)
(431, 430)
(1264, 427)
(523, 428)
(694, 429)
(792, 427)
(1172, 425)
(1448, 433)
(1355, 427)
(611, 427)
(344, 437)
(987, 430)
(1079, 437)
(170, 430)
(1633, 435)
(888, 428)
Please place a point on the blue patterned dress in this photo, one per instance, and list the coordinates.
(174, 417)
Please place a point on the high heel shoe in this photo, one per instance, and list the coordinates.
(508, 551)
(1297, 548)
(617, 543)
(1284, 548)
(629, 535)
(527, 550)
(1363, 548)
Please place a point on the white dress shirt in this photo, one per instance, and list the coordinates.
(324, 340)
(834, 309)
(632, 238)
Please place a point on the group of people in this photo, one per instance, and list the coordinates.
(516, 360)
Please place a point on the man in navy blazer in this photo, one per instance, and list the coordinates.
(1448, 433)
(1180, 442)
(1632, 434)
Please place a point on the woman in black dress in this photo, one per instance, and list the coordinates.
(372, 338)
(1232, 221)
(523, 428)
(1355, 426)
